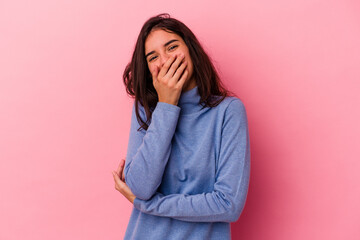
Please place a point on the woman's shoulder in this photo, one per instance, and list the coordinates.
(140, 108)
(232, 103)
(141, 111)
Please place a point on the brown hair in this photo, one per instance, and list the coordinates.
(137, 77)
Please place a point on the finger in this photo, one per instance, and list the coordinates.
(120, 167)
(117, 179)
(182, 80)
(114, 175)
(179, 71)
(122, 174)
(166, 66)
(121, 186)
(175, 66)
(155, 73)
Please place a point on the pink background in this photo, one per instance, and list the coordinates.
(65, 116)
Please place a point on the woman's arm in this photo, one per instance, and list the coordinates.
(227, 201)
(148, 151)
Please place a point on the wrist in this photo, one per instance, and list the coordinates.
(169, 102)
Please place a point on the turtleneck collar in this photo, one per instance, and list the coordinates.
(189, 101)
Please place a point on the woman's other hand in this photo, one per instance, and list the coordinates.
(168, 83)
(120, 184)
(121, 173)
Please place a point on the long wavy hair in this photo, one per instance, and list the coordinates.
(137, 77)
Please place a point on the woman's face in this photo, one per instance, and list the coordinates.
(160, 45)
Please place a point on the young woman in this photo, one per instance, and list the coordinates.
(187, 167)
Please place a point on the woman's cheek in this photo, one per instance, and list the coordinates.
(152, 68)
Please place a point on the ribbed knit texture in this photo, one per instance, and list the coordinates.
(189, 171)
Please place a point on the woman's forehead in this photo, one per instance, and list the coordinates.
(158, 37)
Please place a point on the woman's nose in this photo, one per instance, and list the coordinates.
(164, 58)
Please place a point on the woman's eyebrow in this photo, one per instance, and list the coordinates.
(173, 40)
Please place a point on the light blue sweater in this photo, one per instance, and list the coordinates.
(189, 171)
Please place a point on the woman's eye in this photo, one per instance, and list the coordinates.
(172, 47)
(151, 59)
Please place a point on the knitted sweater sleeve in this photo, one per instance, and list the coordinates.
(148, 151)
(226, 202)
